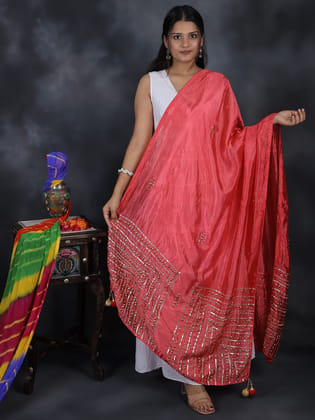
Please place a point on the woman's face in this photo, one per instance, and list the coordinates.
(184, 41)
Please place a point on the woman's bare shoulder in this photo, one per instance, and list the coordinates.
(144, 82)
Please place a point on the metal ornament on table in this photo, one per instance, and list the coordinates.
(56, 192)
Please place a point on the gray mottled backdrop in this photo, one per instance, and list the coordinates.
(68, 73)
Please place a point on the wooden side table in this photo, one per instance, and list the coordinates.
(81, 260)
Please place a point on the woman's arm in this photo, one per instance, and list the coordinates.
(290, 118)
(139, 140)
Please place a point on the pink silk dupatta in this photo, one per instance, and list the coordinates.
(198, 257)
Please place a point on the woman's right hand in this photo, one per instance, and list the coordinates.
(140, 138)
(110, 210)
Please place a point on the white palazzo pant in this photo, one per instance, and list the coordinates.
(146, 361)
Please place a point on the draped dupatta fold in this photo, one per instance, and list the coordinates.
(32, 262)
(198, 257)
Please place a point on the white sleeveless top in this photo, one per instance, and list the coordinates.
(162, 93)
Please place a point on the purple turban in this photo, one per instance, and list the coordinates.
(57, 164)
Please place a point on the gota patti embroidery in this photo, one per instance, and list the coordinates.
(273, 320)
(202, 238)
(213, 337)
(134, 258)
(151, 184)
(212, 340)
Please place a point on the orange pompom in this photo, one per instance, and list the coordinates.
(245, 392)
(108, 302)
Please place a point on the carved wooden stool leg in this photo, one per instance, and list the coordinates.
(81, 313)
(31, 357)
(98, 289)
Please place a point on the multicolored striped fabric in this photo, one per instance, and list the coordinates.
(33, 257)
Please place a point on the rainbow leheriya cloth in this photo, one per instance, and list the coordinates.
(34, 253)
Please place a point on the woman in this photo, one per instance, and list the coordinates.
(198, 241)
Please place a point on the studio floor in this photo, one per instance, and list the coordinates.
(65, 388)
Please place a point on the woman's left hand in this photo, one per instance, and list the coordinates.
(290, 118)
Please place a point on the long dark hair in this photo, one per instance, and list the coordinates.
(177, 13)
